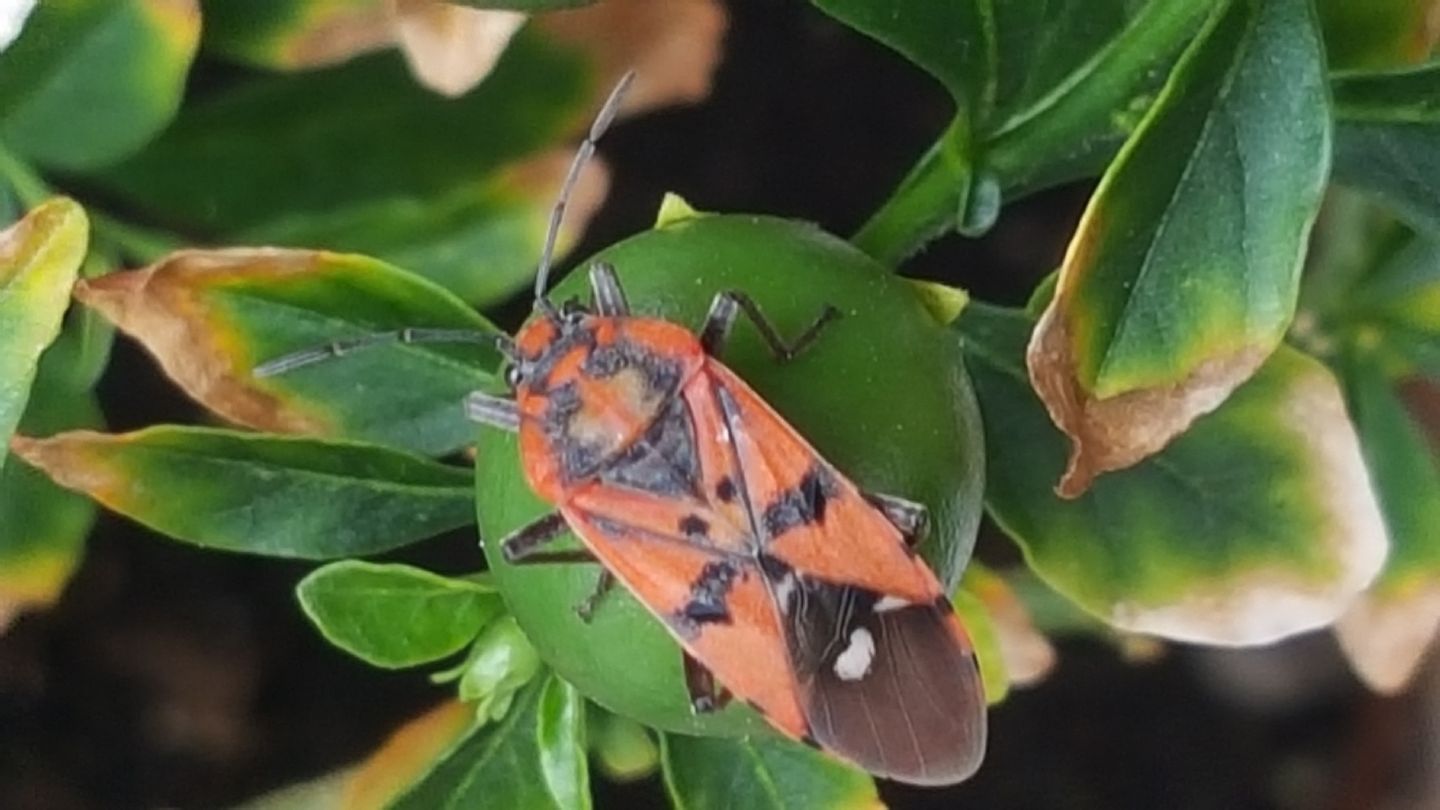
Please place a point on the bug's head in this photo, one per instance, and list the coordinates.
(542, 340)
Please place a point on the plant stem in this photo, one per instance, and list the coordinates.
(927, 204)
(28, 185)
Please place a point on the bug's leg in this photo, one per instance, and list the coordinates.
(488, 409)
(603, 583)
(728, 305)
(605, 290)
(911, 518)
(523, 546)
(408, 336)
(706, 694)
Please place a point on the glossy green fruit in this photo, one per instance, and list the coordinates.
(882, 393)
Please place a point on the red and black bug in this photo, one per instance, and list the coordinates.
(785, 583)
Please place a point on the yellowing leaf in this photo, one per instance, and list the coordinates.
(406, 756)
(673, 46)
(39, 258)
(1025, 652)
(1183, 274)
(211, 317)
(1388, 631)
(1258, 523)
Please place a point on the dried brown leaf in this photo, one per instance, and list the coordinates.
(451, 48)
(1117, 432)
(673, 46)
(1387, 636)
(160, 306)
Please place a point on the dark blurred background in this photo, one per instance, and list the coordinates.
(173, 677)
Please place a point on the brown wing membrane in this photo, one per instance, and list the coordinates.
(891, 686)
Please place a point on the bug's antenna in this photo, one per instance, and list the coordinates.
(557, 214)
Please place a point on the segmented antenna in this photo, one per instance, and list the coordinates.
(557, 214)
(408, 336)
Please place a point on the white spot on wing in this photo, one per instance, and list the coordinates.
(854, 662)
(889, 603)
(784, 590)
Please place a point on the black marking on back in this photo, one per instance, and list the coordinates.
(694, 527)
(801, 505)
(661, 374)
(538, 378)
(708, 595)
(725, 490)
(577, 459)
(663, 461)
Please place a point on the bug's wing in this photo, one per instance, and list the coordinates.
(891, 686)
(715, 604)
(886, 674)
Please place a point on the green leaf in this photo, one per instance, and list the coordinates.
(1051, 112)
(1387, 139)
(259, 494)
(1184, 272)
(504, 764)
(395, 616)
(1387, 633)
(1257, 523)
(501, 662)
(709, 773)
(953, 40)
(211, 317)
(39, 259)
(1375, 33)
(1070, 97)
(43, 527)
(624, 749)
(560, 732)
(278, 146)
(90, 81)
(1394, 310)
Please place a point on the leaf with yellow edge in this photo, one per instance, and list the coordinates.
(1256, 524)
(39, 258)
(1378, 33)
(1025, 652)
(43, 526)
(1389, 629)
(211, 317)
(406, 756)
(1183, 274)
(259, 494)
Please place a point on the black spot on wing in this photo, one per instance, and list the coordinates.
(725, 490)
(708, 597)
(694, 527)
(802, 505)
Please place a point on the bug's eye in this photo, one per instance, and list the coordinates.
(512, 375)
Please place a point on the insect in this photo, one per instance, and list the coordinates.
(784, 583)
